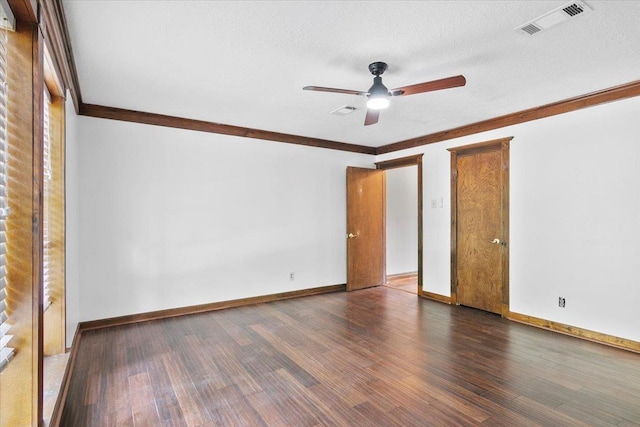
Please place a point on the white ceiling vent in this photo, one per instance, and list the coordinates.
(343, 111)
(553, 18)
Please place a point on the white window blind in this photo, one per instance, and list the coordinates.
(46, 279)
(6, 352)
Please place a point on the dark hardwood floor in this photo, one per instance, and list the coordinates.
(407, 282)
(375, 357)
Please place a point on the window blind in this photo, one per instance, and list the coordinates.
(46, 278)
(6, 352)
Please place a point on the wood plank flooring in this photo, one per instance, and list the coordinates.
(375, 357)
(407, 282)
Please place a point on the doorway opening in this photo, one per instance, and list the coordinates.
(402, 229)
(403, 223)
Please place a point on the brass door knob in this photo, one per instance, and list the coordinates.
(350, 236)
(495, 241)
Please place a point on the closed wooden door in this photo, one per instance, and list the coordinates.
(365, 228)
(480, 209)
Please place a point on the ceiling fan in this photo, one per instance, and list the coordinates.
(379, 95)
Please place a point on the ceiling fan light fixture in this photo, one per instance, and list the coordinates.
(378, 102)
(378, 95)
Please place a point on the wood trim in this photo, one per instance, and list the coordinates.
(54, 213)
(479, 146)
(454, 227)
(400, 162)
(122, 114)
(505, 156)
(403, 162)
(59, 44)
(454, 298)
(38, 217)
(628, 90)
(420, 226)
(201, 308)
(435, 297)
(24, 10)
(501, 144)
(574, 331)
(384, 229)
(51, 72)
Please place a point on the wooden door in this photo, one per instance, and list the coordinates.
(365, 228)
(480, 226)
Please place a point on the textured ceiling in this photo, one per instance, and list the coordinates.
(244, 63)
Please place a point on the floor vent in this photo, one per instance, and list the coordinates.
(553, 18)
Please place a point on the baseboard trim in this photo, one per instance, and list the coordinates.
(436, 297)
(574, 331)
(201, 308)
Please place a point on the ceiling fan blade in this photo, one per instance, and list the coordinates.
(447, 83)
(334, 90)
(372, 117)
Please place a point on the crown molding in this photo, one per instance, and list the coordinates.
(615, 93)
(122, 114)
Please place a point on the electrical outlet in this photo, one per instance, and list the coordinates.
(292, 276)
(561, 302)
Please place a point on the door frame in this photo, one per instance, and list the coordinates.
(501, 144)
(400, 163)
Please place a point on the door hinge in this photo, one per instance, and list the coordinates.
(454, 173)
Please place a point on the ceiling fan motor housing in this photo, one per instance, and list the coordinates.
(378, 88)
(377, 68)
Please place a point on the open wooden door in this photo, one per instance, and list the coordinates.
(480, 232)
(365, 228)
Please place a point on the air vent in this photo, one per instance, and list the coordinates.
(573, 9)
(531, 29)
(553, 18)
(343, 111)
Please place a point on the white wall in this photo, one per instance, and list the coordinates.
(402, 220)
(160, 218)
(574, 211)
(172, 218)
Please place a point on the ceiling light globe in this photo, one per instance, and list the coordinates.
(378, 103)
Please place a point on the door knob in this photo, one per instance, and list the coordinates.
(495, 241)
(350, 236)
